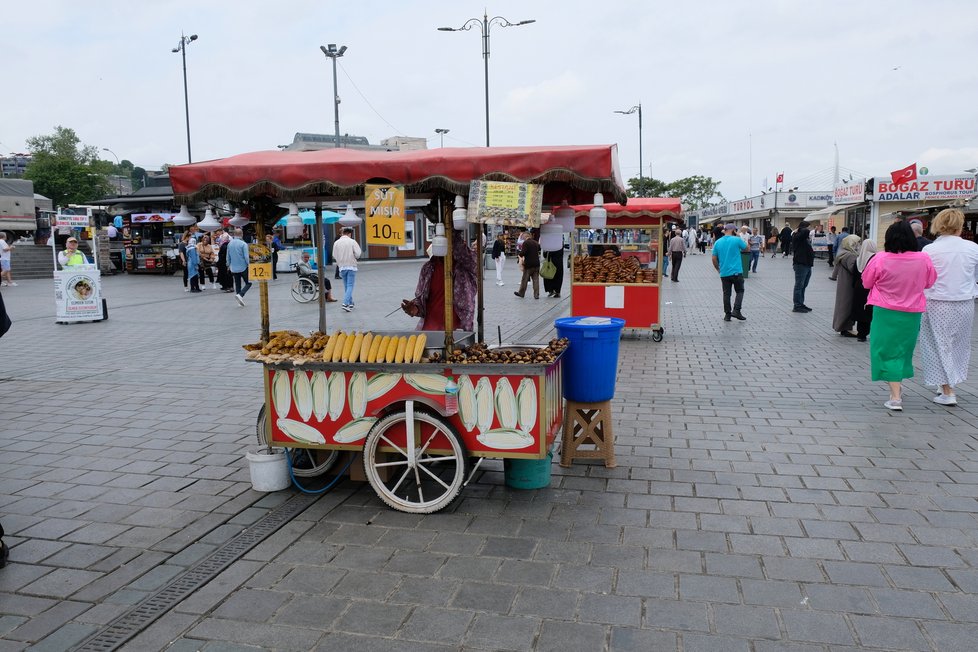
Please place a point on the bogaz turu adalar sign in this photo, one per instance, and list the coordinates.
(925, 188)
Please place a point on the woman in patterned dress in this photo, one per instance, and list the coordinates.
(945, 330)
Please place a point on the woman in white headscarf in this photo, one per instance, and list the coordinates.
(844, 272)
(862, 312)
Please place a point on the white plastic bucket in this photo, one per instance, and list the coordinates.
(269, 471)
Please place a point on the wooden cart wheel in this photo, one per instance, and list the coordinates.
(304, 290)
(657, 334)
(306, 462)
(429, 480)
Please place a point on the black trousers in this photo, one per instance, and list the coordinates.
(735, 283)
(677, 262)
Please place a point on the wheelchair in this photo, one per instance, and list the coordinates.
(305, 288)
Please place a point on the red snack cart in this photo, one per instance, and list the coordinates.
(423, 412)
(616, 267)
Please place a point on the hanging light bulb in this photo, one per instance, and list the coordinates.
(598, 214)
(551, 236)
(238, 220)
(350, 217)
(294, 223)
(209, 223)
(184, 218)
(459, 215)
(439, 244)
(564, 216)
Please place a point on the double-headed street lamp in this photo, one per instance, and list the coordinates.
(485, 24)
(182, 49)
(634, 109)
(118, 166)
(441, 133)
(333, 53)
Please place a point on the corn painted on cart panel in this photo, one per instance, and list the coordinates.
(499, 415)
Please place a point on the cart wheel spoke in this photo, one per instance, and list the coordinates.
(440, 455)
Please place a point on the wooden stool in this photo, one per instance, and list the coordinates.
(588, 424)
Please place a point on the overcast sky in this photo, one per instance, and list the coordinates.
(734, 90)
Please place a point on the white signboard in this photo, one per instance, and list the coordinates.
(72, 221)
(852, 192)
(78, 295)
(925, 189)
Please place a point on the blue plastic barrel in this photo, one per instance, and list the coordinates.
(591, 361)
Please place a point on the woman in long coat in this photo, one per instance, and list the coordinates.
(845, 273)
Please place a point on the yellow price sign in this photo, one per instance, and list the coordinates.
(260, 272)
(384, 206)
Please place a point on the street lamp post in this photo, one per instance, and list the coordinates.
(118, 166)
(484, 25)
(634, 109)
(441, 133)
(182, 49)
(332, 53)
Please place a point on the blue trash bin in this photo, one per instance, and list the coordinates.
(591, 361)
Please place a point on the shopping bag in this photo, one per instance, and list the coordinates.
(548, 270)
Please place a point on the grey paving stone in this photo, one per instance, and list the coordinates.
(746, 621)
(928, 579)
(847, 599)
(772, 593)
(670, 614)
(816, 627)
(714, 643)
(282, 637)
(708, 589)
(952, 637)
(896, 633)
(558, 636)
(437, 625)
(479, 596)
(733, 565)
(629, 639)
(844, 572)
(610, 609)
(503, 632)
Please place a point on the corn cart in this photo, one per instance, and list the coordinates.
(423, 408)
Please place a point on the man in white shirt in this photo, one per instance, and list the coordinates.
(5, 249)
(677, 249)
(346, 252)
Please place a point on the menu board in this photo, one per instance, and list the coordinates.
(505, 203)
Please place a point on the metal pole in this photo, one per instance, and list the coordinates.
(480, 283)
(320, 265)
(485, 59)
(186, 96)
(641, 180)
(336, 105)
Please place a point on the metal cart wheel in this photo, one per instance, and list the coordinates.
(420, 477)
(304, 290)
(306, 462)
(657, 334)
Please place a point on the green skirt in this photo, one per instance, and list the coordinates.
(892, 338)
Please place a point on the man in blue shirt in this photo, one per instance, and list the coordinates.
(727, 261)
(238, 265)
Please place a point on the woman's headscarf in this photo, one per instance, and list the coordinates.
(866, 251)
(851, 244)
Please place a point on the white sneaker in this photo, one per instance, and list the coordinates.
(239, 299)
(11, 284)
(894, 406)
(946, 399)
(186, 289)
(3, 285)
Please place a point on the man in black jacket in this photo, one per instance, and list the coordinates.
(803, 259)
(531, 266)
(785, 241)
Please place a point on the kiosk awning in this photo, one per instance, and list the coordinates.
(829, 211)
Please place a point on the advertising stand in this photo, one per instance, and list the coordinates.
(424, 413)
(615, 267)
(78, 288)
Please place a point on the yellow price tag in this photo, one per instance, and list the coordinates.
(384, 206)
(260, 272)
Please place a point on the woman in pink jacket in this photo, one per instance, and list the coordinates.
(896, 279)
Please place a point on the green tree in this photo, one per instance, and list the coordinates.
(696, 191)
(138, 177)
(65, 172)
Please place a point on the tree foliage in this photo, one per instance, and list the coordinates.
(695, 191)
(65, 172)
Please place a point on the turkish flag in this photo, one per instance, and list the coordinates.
(780, 177)
(905, 175)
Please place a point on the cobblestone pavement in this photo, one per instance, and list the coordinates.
(764, 499)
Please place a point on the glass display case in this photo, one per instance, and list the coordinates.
(617, 256)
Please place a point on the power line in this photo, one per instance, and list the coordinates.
(397, 131)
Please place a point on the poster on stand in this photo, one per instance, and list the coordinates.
(78, 295)
(505, 204)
